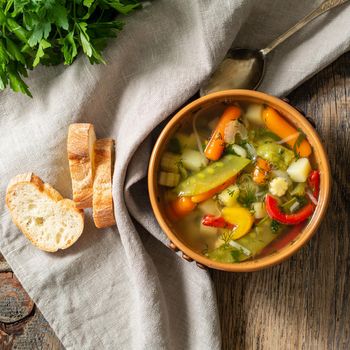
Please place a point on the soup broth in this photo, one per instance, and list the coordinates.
(238, 181)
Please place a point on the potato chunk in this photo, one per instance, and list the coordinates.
(299, 170)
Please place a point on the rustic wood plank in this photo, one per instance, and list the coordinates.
(32, 333)
(15, 303)
(22, 326)
(304, 302)
(4, 266)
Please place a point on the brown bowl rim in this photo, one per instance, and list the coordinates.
(293, 116)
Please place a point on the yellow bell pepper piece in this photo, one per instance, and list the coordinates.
(241, 217)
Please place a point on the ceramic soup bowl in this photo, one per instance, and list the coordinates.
(209, 102)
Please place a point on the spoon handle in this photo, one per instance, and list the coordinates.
(324, 7)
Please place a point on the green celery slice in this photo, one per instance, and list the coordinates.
(212, 176)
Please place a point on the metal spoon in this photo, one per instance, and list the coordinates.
(244, 68)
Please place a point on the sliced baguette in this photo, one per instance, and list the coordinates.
(80, 148)
(48, 220)
(102, 208)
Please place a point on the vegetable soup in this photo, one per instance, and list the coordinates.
(238, 181)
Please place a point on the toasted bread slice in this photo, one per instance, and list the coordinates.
(80, 148)
(103, 209)
(48, 220)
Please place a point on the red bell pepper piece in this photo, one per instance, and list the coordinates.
(216, 221)
(314, 182)
(277, 214)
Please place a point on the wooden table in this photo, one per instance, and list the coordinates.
(303, 303)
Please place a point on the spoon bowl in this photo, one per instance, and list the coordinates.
(241, 69)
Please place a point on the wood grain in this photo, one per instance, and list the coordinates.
(4, 266)
(33, 333)
(22, 326)
(303, 303)
(15, 304)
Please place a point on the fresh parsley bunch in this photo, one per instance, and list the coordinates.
(51, 32)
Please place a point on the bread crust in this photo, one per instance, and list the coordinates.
(48, 190)
(80, 149)
(103, 207)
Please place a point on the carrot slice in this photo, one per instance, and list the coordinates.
(206, 195)
(278, 125)
(216, 144)
(261, 171)
(181, 206)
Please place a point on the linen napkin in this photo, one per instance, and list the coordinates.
(121, 288)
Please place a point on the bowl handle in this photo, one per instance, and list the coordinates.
(175, 249)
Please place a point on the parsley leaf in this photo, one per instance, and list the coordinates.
(275, 226)
(247, 198)
(69, 48)
(247, 191)
(301, 137)
(16, 82)
(41, 31)
(231, 192)
(88, 3)
(84, 39)
(15, 53)
(235, 255)
(40, 53)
